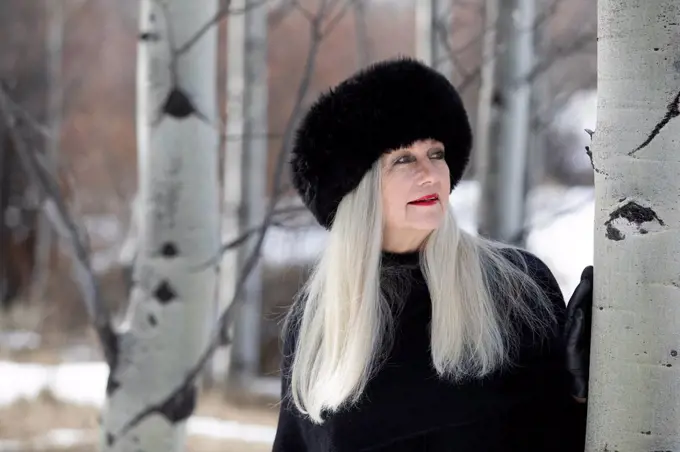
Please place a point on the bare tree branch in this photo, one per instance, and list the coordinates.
(576, 45)
(223, 12)
(540, 19)
(551, 218)
(470, 77)
(278, 15)
(57, 211)
(21, 112)
(335, 20)
(37, 127)
(238, 241)
(548, 12)
(541, 119)
(295, 4)
(442, 34)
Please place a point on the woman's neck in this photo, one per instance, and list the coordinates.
(403, 241)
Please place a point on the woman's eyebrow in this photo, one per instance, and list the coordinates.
(400, 153)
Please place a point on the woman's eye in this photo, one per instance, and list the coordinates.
(439, 155)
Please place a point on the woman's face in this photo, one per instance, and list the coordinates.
(410, 174)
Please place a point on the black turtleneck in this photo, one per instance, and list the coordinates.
(407, 407)
(409, 259)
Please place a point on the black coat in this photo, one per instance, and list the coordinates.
(407, 407)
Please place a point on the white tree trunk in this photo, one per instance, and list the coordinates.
(634, 401)
(173, 294)
(245, 181)
(504, 122)
(433, 28)
(364, 47)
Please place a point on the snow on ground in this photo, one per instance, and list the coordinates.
(216, 428)
(197, 426)
(80, 383)
(85, 383)
(61, 438)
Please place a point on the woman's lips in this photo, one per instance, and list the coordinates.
(427, 200)
(424, 203)
(427, 197)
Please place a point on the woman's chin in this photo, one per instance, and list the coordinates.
(425, 225)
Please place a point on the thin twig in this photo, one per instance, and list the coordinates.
(538, 22)
(472, 76)
(551, 218)
(548, 12)
(238, 241)
(281, 12)
(541, 66)
(22, 113)
(335, 20)
(304, 11)
(217, 18)
(539, 122)
(577, 44)
(442, 34)
(58, 212)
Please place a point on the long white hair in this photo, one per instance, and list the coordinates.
(342, 317)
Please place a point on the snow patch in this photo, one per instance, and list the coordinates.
(216, 428)
(85, 384)
(54, 439)
(79, 383)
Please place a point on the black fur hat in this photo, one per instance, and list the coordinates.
(386, 106)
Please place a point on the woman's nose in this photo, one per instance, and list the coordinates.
(425, 173)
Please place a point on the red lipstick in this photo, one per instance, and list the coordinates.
(427, 200)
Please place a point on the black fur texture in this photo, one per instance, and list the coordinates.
(384, 107)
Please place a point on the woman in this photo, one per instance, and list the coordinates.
(412, 335)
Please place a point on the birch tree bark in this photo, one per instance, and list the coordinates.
(364, 47)
(172, 299)
(504, 117)
(634, 401)
(433, 29)
(245, 183)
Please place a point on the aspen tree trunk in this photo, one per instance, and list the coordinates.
(433, 28)
(634, 401)
(172, 299)
(364, 47)
(504, 118)
(245, 184)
